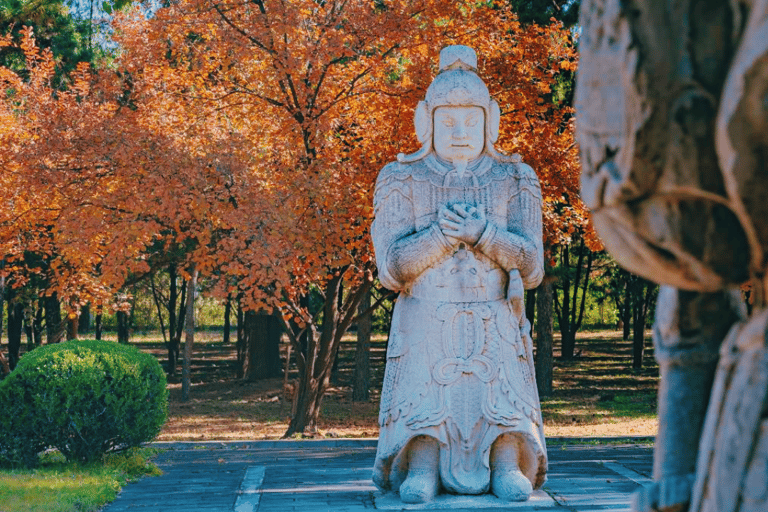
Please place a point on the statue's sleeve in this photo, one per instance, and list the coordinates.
(402, 253)
(518, 245)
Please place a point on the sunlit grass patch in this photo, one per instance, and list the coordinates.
(57, 486)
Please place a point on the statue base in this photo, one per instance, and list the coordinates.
(391, 501)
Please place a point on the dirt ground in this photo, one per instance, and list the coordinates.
(596, 395)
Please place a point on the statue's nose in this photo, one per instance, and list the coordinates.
(460, 131)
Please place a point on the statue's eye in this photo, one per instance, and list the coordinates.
(472, 121)
(447, 122)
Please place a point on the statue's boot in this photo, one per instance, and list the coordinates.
(507, 481)
(423, 473)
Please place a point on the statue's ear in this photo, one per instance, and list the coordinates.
(422, 122)
(494, 117)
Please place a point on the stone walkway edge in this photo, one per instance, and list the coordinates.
(347, 442)
(334, 475)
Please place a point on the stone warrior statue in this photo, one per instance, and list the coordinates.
(672, 102)
(458, 232)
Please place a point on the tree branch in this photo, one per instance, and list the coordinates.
(242, 32)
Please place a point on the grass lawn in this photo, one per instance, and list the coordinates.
(598, 394)
(57, 486)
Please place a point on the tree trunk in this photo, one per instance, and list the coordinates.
(337, 357)
(84, 320)
(181, 317)
(361, 379)
(189, 338)
(53, 327)
(570, 312)
(72, 325)
(316, 362)
(240, 343)
(335, 368)
(98, 324)
(123, 334)
(530, 306)
(567, 342)
(29, 328)
(6, 368)
(627, 317)
(307, 406)
(227, 314)
(638, 343)
(544, 336)
(567, 345)
(37, 326)
(644, 294)
(157, 299)
(175, 320)
(15, 328)
(262, 346)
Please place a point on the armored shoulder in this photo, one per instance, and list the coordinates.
(520, 176)
(394, 177)
(527, 179)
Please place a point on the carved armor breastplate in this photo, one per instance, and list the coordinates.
(468, 275)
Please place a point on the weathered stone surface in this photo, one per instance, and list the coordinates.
(457, 232)
(672, 101)
(539, 499)
(334, 476)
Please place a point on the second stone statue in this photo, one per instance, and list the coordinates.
(457, 231)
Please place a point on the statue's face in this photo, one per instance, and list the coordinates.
(459, 132)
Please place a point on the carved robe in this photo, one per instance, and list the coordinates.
(459, 361)
(672, 102)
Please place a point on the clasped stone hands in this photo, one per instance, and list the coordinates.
(462, 222)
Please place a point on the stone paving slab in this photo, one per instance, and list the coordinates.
(391, 501)
(335, 476)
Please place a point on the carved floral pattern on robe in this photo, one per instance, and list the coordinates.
(459, 360)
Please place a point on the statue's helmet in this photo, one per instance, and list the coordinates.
(456, 84)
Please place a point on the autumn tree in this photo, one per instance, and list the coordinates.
(25, 264)
(91, 189)
(55, 27)
(169, 295)
(635, 299)
(294, 86)
(251, 133)
(61, 34)
(538, 123)
(574, 271)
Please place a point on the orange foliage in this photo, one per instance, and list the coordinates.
(309, 101)
(92, 189)
(246, 137)
(254, 135)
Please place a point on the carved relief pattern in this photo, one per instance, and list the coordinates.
(459, 368)
(672, 102)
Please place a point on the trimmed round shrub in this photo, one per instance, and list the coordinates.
(85, 398)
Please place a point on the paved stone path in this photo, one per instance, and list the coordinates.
(335, 476)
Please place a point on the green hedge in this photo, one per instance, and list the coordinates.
(84, 398)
